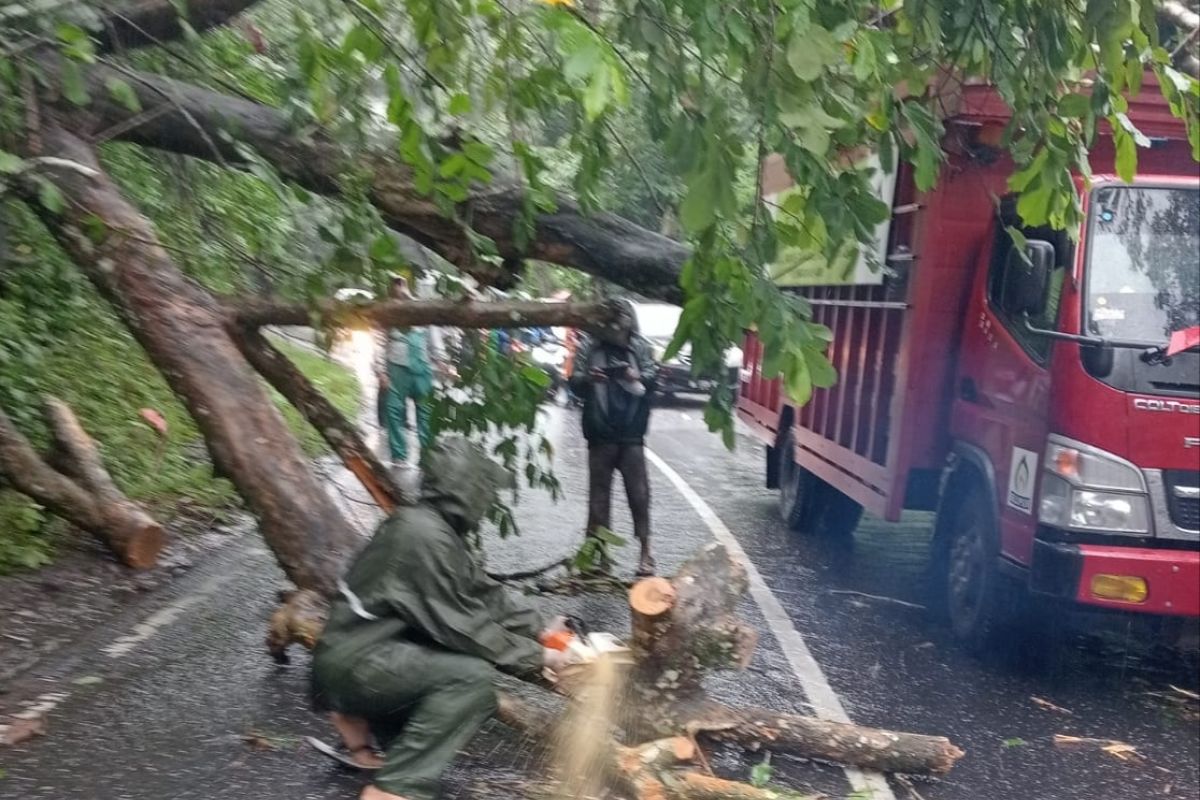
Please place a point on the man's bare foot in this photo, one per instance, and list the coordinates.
(356, 735)
(372, 793)
(646, 565)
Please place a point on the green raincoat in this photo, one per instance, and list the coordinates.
(412, 643)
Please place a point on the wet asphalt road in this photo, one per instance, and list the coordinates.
(165, 712)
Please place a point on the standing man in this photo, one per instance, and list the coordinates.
(614, 373)
(413, 642)
(406, 372)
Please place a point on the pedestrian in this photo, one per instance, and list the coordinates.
(614, 373)
(413, 641)
(405, 372)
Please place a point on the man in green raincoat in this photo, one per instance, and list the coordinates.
(412, 643)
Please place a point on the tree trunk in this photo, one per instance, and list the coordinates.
(85, 495)
(183, 330)
(194, 121)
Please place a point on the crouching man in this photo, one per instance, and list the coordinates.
(411, 646)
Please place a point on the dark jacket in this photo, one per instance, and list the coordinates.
(416, 581)
(611, 413)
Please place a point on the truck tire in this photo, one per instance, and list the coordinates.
(981, 604)
(795, 486)
(808, 504)
(834, 515)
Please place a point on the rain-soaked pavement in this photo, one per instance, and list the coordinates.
(161, 703)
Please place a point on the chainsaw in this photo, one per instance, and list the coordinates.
(583, 646)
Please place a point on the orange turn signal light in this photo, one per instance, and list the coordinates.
(1125, 588)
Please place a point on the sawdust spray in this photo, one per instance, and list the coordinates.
(586, 728)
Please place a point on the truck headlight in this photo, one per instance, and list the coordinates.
(1086, 489)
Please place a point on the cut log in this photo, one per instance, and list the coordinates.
(820, 739)
(91, 501)
(183, 330)
(688, 627)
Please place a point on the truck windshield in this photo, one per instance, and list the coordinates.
(1143, 278)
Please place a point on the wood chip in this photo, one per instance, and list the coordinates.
(1046, 704)
(1117, 749)
(22, 730)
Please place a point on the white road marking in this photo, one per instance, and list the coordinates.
(820, 694)
(148, 627)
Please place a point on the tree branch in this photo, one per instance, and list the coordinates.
(1187, 21)
(315, 407)
(402, 313)
(152, 22)
(92, 501)
(603, 245)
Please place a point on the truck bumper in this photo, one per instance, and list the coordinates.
(1152, 581)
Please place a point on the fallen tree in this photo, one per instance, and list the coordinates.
(73, 483)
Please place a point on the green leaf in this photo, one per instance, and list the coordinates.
(50, 197)
(73, 86)
(1034, 204)
(10, 164)
(698, 210)
(1127, 156)
(810, 52)
(1125, 122)
(798, 380)
(1074, 105)
(460, 104)
(820, 370)
(1014, 742)
(123, 93)
(760, 773)
(597, 94)
(536, 377)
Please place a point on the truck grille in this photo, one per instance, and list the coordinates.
(1182, 498)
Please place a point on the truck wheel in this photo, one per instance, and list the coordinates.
(834, 514)
(980, 603)
(795, 486)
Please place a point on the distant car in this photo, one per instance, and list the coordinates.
(657, 323)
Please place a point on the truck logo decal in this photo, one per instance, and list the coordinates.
(1150, 404)
(1021, 472)
(1191, 441)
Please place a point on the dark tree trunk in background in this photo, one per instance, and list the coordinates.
(183, 330)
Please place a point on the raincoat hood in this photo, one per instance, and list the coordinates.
(461, 482)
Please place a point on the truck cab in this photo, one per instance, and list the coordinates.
(1040, 391)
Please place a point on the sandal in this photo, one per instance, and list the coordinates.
(340, 754)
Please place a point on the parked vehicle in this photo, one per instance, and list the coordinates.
(1031, 396)
(657, 322)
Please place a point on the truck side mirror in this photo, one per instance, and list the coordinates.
(1027, 278)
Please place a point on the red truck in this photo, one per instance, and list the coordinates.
(1043, 398)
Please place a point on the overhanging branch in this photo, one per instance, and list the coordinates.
(193, 118)
(451, 313)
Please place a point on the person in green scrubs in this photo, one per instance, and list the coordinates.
(406, 373)
(415, 637)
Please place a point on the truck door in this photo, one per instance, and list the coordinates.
(1002, 391)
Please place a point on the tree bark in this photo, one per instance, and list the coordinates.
(688, 627)
(197, 122)
(183, 330)
(87, 497)
(315, 407)
(147, 22)
(452, 313)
